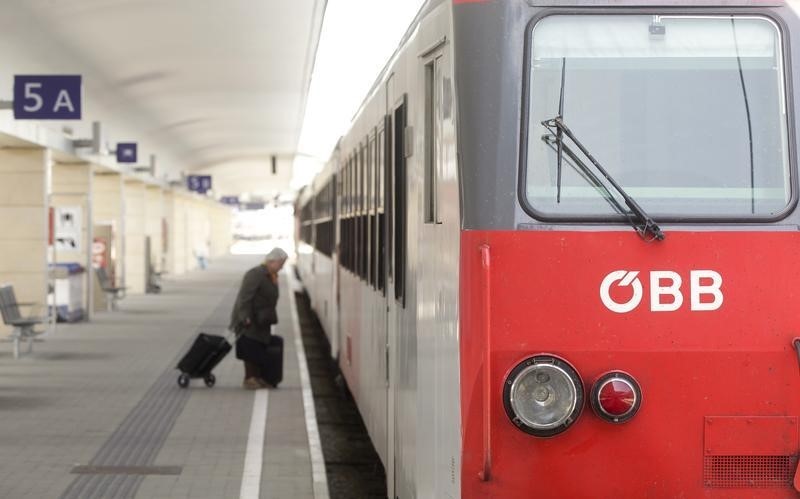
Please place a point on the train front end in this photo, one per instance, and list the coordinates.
(630, 259)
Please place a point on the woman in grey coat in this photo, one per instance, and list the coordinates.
(255, 312)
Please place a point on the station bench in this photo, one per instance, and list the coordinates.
(113, 293)
(23, 327)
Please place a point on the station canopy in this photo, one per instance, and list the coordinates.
(204, 82)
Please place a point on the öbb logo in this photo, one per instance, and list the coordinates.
(705, 290)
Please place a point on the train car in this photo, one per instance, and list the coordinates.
(315, 211)
(566, 251)
(304, 236)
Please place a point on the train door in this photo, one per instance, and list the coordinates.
(391, 311)
(400, 324)
(336, 195)
(402, 321)
(439, 438)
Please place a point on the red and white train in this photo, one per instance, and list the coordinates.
(557, 254)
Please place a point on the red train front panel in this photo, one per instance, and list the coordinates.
(703, 321)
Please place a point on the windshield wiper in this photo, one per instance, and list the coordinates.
(645, 226)
(586, 173)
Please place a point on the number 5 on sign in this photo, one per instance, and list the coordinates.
(50, 97)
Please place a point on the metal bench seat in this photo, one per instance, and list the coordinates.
(23, 327)
(113, 293)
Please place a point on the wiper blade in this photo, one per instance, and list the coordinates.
(559, 133)
(644, 225)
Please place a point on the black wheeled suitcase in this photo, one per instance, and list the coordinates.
(205, 353)
(268, 358)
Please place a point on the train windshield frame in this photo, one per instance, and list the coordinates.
(689, 113)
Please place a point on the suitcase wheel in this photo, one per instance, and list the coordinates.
(210, 380)
(183, 381)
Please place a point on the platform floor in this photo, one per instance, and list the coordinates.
(104, 395)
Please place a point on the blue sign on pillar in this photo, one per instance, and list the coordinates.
(127, 152)
(199, 183)
(50, 97)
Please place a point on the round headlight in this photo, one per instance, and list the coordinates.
(543, 395)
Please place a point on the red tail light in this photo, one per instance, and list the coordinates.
(616, 397)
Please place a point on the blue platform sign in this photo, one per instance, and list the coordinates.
(49, 97)
(230, 200)
(127, 152)
(199, 183)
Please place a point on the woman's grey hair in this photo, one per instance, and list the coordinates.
(276, 255)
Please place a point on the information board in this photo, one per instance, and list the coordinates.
(127, 152)
(199, 183)
(47, 97)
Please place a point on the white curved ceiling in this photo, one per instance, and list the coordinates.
(205, 81)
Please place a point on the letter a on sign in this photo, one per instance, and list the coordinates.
(64, 101)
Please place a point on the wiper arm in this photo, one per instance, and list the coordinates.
(644, 225)
(584, 171)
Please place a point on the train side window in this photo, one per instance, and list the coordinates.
(431, 106)
(345, 186)
(354, 217)
(364, 228)
(324, 229)
(381, 222)
(342, 212)
(359, 209)
(389, 192)
(348, 196)
(368, 229)
(352, 185)
(373, 216)
(370, 164)
(400, 196)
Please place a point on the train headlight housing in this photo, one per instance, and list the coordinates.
(543, 395)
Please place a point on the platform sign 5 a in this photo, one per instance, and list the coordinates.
(230, 200)
(199, 183)
(49, 97)
(127, 152)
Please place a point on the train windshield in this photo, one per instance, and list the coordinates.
(688, 114)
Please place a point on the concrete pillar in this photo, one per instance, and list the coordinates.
(199, 229)
(221, 229)
(71, 195)
(135, 268)
(175, 203)
(24, 183)
(168, 200)
(154, 218)
(194, 231)
(107, 212)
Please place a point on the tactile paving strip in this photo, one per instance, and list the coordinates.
(139, 438)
